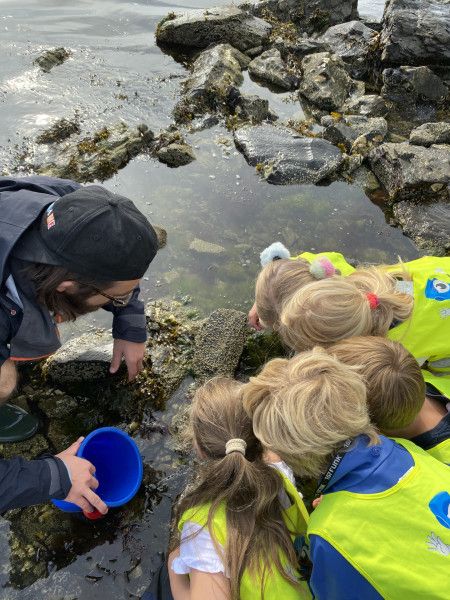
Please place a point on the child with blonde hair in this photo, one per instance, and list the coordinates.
(385, 503)
(240, 516)
(404, 400)
(408, 302)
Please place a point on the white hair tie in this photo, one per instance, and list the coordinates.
(235, 445)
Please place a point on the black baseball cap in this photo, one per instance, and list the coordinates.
(91, 232)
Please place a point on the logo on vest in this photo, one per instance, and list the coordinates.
(50, 216)
(436, 289)
(435, 544)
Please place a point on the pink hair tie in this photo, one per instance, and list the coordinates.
(322, 268)
(373, 300)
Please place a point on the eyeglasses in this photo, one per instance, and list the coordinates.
(116, 300)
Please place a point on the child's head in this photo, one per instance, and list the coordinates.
(304, 408)
(395, 386)
(324, 312)
(280, 279)
(232, 473)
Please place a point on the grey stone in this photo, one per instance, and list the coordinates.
(202, 247)
(354, 131)
(219, 343)
(284, 157)
(214, 73)
(427, 223)
(409, 172)
(430, 133)
(325, 82)
(200, 28)
(271, 68)
(301, 47)
(370, 105)
(353, 42)
(253, 108)
(408, 85)
(416, 32)
(310, 15)
(176, 155)
(86, 358)
(52, 58)
(59, 131)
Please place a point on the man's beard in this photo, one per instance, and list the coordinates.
(69, 306)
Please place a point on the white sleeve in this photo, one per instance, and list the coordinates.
(197, 551)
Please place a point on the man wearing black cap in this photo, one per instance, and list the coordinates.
(66, 250)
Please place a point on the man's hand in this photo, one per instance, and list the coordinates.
(132, 353)
(81, 473)
(8, 380)
(253, 319)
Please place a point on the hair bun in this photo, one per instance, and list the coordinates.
(322, 268)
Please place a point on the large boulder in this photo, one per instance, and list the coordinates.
(326, 82)
(214, 73)
(271, 68)
(353, 130)
(369, 105)
(308, 15)
(353, 42)
(219, 343)
(200, 28)
(430, 133)
(285, 157)
(412, 172)
(427, 223)
(416, 32)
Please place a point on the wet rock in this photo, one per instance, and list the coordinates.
(215, 71)
(202, 247)
(310, 15)
(355, 131)
(353, 42)
(416, 32)
(284, 157)
(325, 82)
(409, 172)
(86, 358)
(52, 58)
(96, 157)
(301, 47)
(369, 105)
(58, 132)
(430, 133)
(407, 86)
(428, 224)
(199, 29)
(365, 179)
(252, 108)
(176, 155)
(271, 68)
(28, 449)
(219, 343)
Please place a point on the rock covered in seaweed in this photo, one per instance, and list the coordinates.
(52, 58)
(416, 32)
(412, 172)
(59, 131)
(354, 131)
(201, 28)
(326, 83)
(285, 157)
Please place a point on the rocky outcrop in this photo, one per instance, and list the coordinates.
(326, 83)
(369, 105)
(98, 156)
(416, 32)
(270, 68)
(283, 157)
(58, 132)
(356, 133)
(309, 15)
(412, 172)
(199, 29)
(353, 42)
(219, 344)
(52, 58)
(427, 223)
(430, 133)
(214, 73)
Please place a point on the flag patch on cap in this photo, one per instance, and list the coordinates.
(50, 216)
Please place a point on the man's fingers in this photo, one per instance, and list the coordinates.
(96, 501)
(116, 360)
(133, 369)
(84, 504)
(73, 449)
(93, 483)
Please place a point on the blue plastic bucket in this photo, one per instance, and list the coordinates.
(118, 467)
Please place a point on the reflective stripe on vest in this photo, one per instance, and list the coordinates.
(393, 538)
(426, 333)
(276, 587)
(335, 258)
